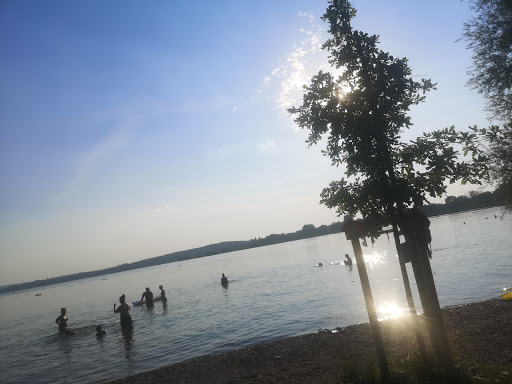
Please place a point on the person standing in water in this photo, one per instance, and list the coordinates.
(149, 298)
(224, 280)
(123, 309)
(62, 321)
(348, 261)
(162, 294)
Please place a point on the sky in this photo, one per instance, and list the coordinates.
(134, 129)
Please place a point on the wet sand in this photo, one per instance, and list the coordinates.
(480, 336)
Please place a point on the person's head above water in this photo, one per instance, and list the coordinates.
(147, 289)
(122, 299)
(223, 275)
(161, 287)
(63, 311)
(347, 256)
(98, 328)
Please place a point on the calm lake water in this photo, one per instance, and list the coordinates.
(275, 292)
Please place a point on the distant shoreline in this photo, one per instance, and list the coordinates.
(307, 231)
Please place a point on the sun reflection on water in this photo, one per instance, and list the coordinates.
(374, 258)
(390, 311)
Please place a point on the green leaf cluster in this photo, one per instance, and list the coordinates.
(361, 114)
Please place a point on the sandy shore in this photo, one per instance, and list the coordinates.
(480, 336)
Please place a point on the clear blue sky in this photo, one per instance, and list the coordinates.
(133, 129)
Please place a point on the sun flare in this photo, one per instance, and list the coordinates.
(389, 311)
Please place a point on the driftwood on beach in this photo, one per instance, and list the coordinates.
(480, 335)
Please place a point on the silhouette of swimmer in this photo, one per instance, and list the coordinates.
(123, 309)
(162, 294)
(62, 321)
(224, 280)
(149, 298)
(100, 332)
(348, 261)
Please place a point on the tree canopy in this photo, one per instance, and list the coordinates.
(489, 36)
(499, 152)
(362, 114)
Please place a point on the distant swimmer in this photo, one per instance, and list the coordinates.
(123, 309)
(224, 280)
(100, 332)
(149, 298)
(162, 294)
(348, 261)
(62, 321)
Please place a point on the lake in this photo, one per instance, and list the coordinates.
(274, 292)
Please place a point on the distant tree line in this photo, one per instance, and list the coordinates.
(474, 200)
(307, 231)
(452, 204)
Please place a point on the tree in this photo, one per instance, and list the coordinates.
(489, 36)
(499, 152)
(449, 200)
(363, 112)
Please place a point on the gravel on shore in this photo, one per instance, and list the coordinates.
(480, 336)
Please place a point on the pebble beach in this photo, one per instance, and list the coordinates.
(480, 336)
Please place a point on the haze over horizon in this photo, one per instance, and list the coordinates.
(133, 130)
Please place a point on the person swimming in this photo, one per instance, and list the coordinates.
(149, 298)
(62, 321)
(162, 294)
(348, 261)
(123, 310)
(100, 332)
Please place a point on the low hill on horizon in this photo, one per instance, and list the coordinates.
(452, 205)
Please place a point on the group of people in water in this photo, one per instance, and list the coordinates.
(123, 309)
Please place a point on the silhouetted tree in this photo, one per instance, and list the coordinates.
(363, 112)
(489, 36)
(499, 152)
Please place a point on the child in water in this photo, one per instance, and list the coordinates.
(100, 332)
